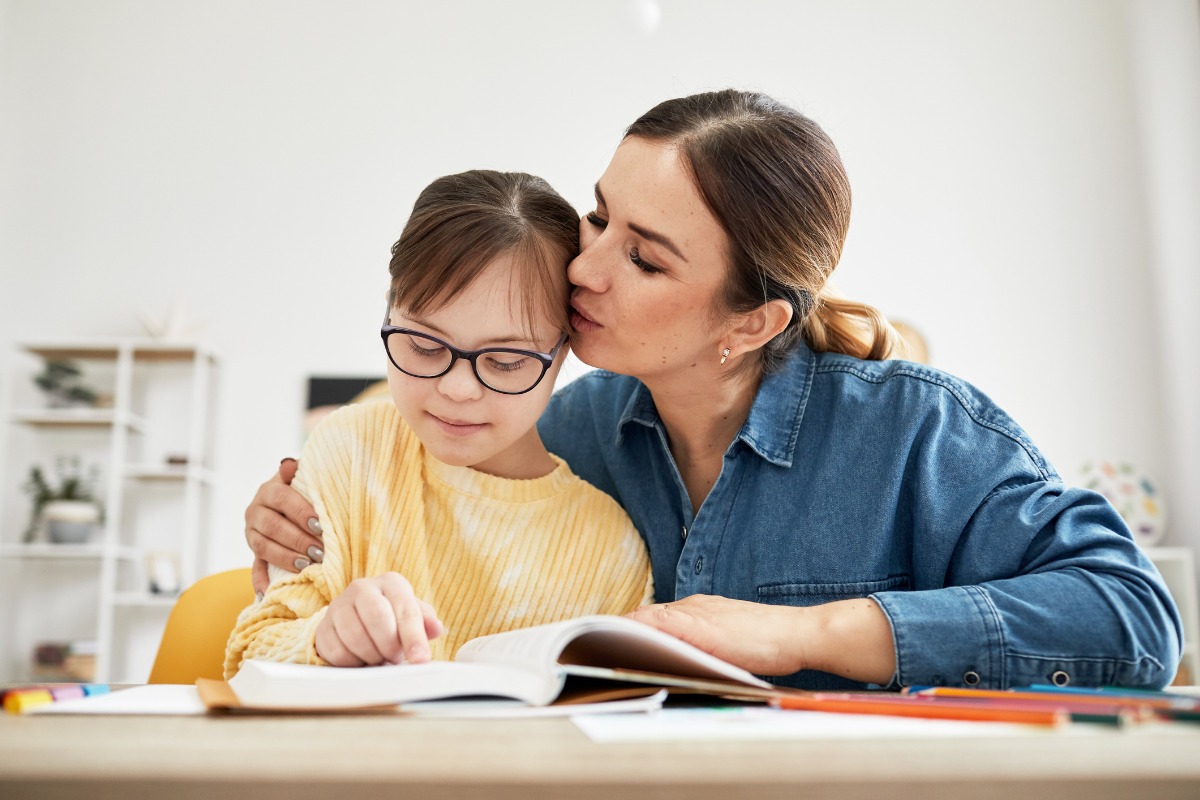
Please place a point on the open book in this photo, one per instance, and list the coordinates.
(579, 659)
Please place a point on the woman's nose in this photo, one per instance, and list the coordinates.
(585, 269)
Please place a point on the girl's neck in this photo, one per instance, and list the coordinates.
(701, 419)
(526, 459)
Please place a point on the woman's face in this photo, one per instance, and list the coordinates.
(652, 267)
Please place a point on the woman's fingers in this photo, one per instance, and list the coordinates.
(273, 525)
(260, 579)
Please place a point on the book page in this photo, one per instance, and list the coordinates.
(266, 684)
(603, 641)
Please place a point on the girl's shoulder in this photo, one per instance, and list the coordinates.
(364, 425)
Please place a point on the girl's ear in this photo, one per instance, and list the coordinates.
(754, 329)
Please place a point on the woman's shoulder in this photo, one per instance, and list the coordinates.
(596, 395)
(918, 394)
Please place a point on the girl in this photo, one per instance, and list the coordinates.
(444, 516)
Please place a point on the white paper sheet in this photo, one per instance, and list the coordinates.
(760, 722)
(165, 699)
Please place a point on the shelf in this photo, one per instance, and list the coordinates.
(46, 550)
(143, 349)
(144, 600)
(147, 379)
(166, 472)
(77, 418)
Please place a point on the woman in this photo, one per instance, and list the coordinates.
(813, 513)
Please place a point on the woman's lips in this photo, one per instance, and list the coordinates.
(458, 428)
(581, 322)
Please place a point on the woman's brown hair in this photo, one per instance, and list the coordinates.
(462, 223)
(776, 184)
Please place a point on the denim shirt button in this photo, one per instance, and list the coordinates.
(971, 678)
(685, 533)
(699, 564)
(1060, 678)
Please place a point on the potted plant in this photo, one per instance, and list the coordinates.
(63, 385)
(67, 507)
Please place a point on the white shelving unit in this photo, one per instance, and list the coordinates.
(1178, 568)
(161, 405)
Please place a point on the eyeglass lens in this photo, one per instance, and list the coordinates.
(502, 370)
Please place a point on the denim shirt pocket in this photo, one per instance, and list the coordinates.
(815, 594)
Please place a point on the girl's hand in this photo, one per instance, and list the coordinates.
(377, 621)
(851, 638)
(281, 527)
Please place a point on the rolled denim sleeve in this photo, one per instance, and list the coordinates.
(1045, 585)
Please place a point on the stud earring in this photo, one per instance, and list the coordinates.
(724, 355)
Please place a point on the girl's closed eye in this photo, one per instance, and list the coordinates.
(507, 363)
(594, 219)
(431, 351)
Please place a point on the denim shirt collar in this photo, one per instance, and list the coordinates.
(773, 425)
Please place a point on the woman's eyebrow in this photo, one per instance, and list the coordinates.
(646, 233)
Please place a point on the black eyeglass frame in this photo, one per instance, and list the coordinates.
(545, 359)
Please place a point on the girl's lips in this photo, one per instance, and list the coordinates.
(458, 428)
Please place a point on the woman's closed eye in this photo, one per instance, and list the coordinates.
(597, 221)
(641, 263)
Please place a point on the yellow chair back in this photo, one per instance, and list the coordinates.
(193, 644)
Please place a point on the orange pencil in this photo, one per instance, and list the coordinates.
(1062, 698)
(895, 708)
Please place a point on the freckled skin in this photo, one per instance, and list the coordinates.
(654, 323)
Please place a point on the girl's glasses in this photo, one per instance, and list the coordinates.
(501, 369)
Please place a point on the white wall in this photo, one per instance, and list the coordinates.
(253, 161)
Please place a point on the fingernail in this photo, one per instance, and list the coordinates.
(285, 460)
(314, 525)
(316, 554)
(258, 596)
(301, 563)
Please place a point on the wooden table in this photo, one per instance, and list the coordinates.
(351, 757)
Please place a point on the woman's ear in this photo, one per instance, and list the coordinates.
(754, 329)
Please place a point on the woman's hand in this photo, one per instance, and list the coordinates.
(851, 638)
(281, 527)
(377, 621)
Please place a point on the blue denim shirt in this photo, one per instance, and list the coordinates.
(895, 481)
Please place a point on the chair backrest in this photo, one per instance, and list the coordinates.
(193, 644)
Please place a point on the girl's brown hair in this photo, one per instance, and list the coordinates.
(462, 223)
(775, 183)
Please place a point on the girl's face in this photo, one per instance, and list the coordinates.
(458, 419)
(651, 270)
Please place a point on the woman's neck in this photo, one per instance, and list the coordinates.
(701, 421)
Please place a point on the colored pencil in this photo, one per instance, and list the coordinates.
(898, 706)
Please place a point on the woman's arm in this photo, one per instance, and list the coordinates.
(281, 527)
(851, 638)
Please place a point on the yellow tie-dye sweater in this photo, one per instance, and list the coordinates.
(490, 554)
